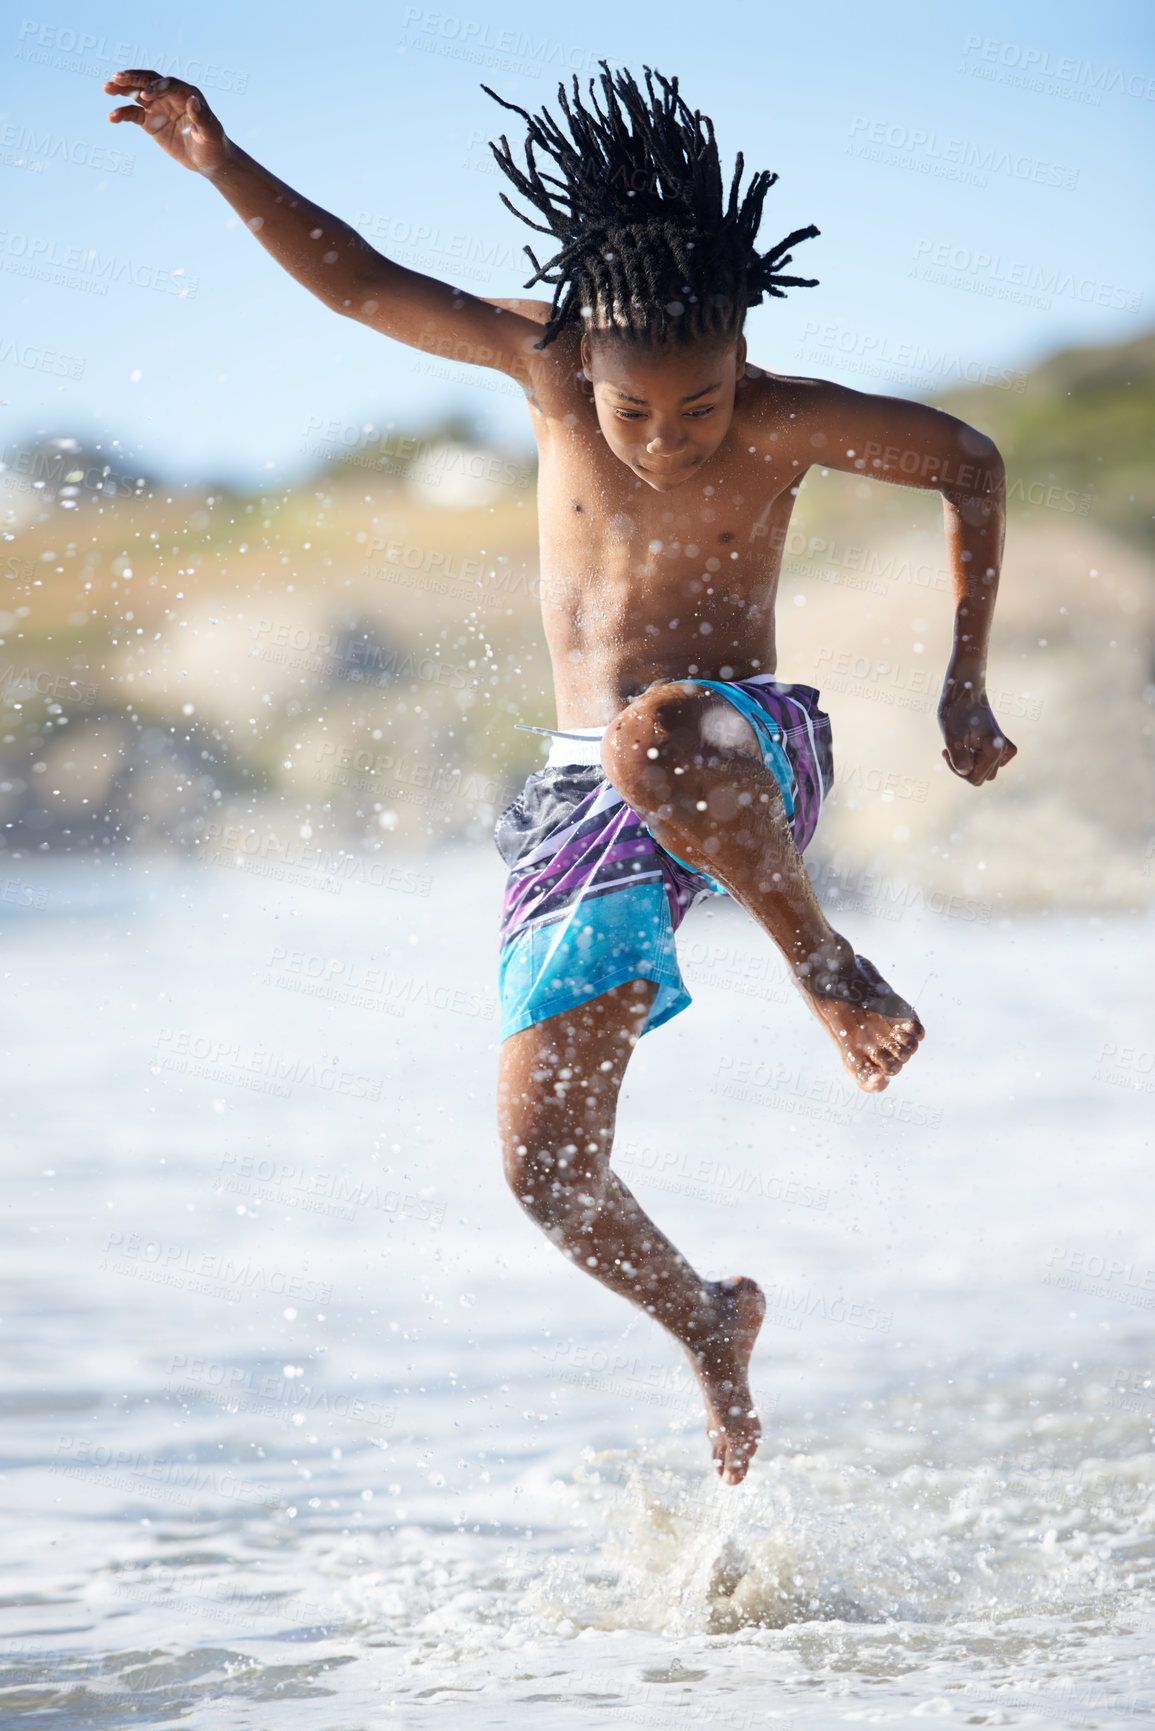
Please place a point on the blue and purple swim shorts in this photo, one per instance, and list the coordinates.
(592, 901)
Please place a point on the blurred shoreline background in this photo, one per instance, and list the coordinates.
(325, 678)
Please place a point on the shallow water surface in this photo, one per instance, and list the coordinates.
(307, 1426)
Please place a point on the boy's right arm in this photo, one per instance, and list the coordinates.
(328, 257)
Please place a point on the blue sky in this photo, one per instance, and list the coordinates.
(978, 175)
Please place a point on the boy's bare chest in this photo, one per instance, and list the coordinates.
(595, 514)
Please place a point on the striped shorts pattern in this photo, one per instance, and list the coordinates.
(592, 901)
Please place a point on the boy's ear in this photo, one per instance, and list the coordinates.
(739, 359)
(585, 353)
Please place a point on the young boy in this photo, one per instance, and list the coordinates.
(668, 471)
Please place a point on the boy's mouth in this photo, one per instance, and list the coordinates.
(680, 473)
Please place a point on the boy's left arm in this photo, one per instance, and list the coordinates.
(912, 445)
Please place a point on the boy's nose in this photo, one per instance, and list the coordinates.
(665, 445)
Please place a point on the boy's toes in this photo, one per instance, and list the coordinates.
(882, 1064)
(737, 1464)
(903, 1040)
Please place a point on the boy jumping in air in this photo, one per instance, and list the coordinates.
(668, 470)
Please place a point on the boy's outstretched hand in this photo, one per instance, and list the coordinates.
(976, 746)
(175, 114)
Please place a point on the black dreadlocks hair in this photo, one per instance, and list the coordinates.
(648, 248)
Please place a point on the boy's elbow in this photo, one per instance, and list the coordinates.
(991, 460)
(978, 468)
(980, 450)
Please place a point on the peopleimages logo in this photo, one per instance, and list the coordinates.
(928, 152)
(80, 51)
(882, 353)
(84, 268)
(38, 360)
(1002, 278)
(208, 1271)
(480, 41)
(1038, 63)
(268, 1072)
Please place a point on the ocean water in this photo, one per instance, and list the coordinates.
(306, 1425)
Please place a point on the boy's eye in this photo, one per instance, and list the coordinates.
(695, 414)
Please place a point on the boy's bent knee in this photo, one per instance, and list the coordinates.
(658, 730)
(672, 729)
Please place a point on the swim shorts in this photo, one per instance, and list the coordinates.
(592, 901)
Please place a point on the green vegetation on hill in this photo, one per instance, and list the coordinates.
(1084, 423)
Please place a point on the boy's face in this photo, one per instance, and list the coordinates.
(663, 411)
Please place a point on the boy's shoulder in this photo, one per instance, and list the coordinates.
(794, 394)
(773, 403)
(550, 376)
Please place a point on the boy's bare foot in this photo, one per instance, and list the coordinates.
(722, 1365)
(877, 1031)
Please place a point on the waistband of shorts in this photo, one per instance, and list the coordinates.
(580, 746)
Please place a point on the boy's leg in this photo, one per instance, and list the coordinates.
(690, 765)
(557, 1102)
